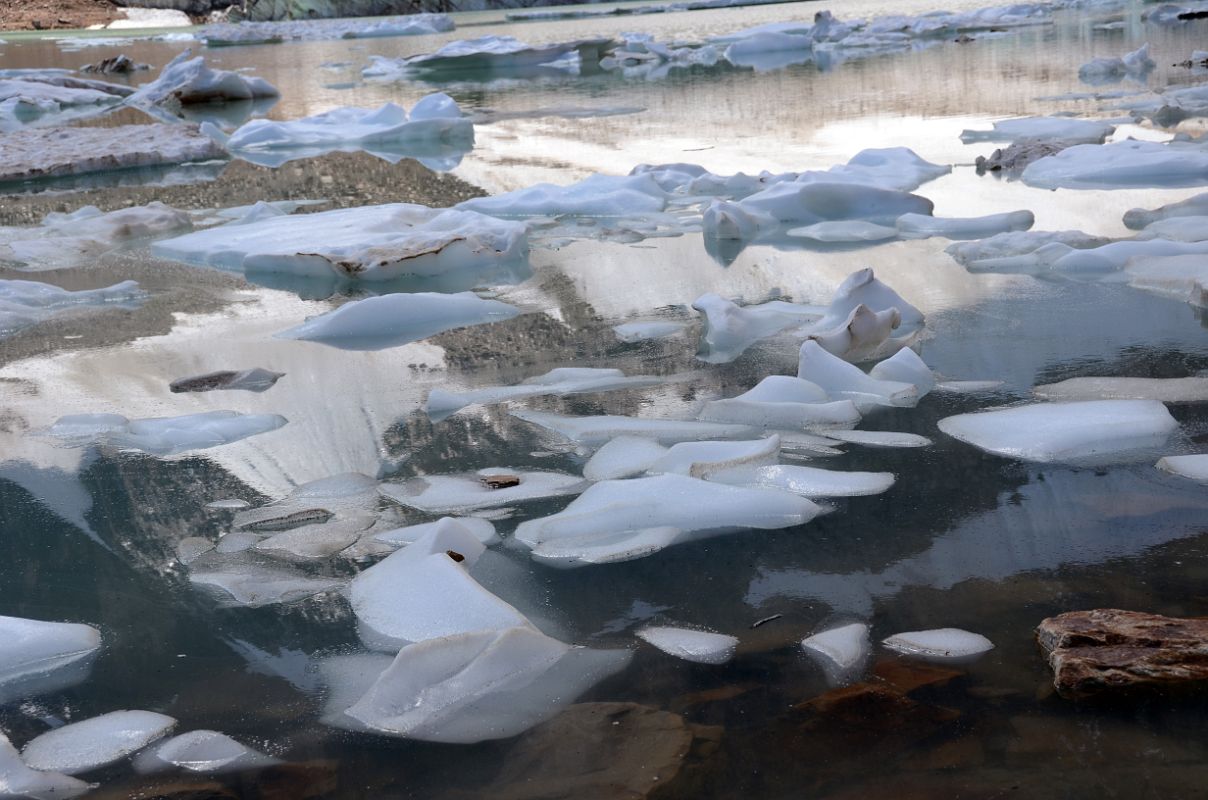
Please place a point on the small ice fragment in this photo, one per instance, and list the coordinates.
(880, 438)
(691, 645)
(187, 81)
(560, 381)
(1124, 164)
(968, 387)
(252, 585)
(208, 752)
(232, 502)
(1194, 467)
(839, 651)
(729, 329)
(162, 436)
(814, 482)
(905, 366)
(939, 644)
(861, 336)
(623, 457)
(96, 742)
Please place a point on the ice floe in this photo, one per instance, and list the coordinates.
(905, 366)
(1166, 390)
(52, 99)
(860, 337)
(880, 438)
(1079, 131)
(1194, 467)
(939, 644)
(206, 752)
(1141, 218)
(68, 239)
(310, 30)
(797, 203)
(1021, 251)
(921, 226)
(1064, 431)
(623, 457)
(481, 529)
(242, 582)
(814, 482)
(18, 780)
(41, 656)
(729, 329)
(391, 320)
(560, 381)
(689, 644)
(1136, 64)
(96, 742)
(630, 332)
(246, 380)
(595, 431)
(841, 651)
(487, 488)
(188, 81)
(26, 303)
(594, 196)
(780, 402)
(434, 132)
(161, 436)
(842, 380)
(1184, 277)
(1121, 164)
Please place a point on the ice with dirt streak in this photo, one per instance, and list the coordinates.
(203, 751)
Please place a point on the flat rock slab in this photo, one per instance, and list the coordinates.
(38, 153)
(1107, 651)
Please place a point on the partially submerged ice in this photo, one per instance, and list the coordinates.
(1079, 131)
(162, 436)
(797, 203)
(939, 644)
(624, 520)
(1099, 71)
(1121, 164)
(1064, 431)
(487, 488)
(69, 239)
(491, 54)
(311, 30)
(1184, 277)
(863, 336)
(396, 319)
(17, 779)
(96, 742)
(43, 656)
(840, 651)
(26, 303)
(1194, 467)
(918, 226)
(205, 752)
(729, 329)
(559, 381)
(844, 381)
(39, 98)
(595, 431)
(188, 81)
(1141, 218)
(481, 529)
(781, 402)
(702, 647)
(1166, 390)
(594, 196)
(371, 243)
(256, 379)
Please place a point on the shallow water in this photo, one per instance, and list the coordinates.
(964, 539)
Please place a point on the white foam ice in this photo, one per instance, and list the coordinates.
(842, 380)
(96, 742)
(448, 494)
(595, 431)
(623, 457)
(26, 303)
(372, 243)
(425, 591)
(689, 644)
(840, 651)
(1064, 431)
(919, 226)
(1128, 163)
(203, 751)
(559, 381)
(1166, 390)
(939, 644)
(1194, 467)
(41, 656)
(188, 81)
(781, 402)
(1068, 129)
(375, 323)
(17, 779)
(161, 436)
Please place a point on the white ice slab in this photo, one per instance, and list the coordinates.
(24, 304)
(1194, 467)
(1064, 431)
(96, 742)
(717, 460)
(917, 226)
(186, 81)
(491, 54)
(1139, 218)
(206, 752)
(1068, 129)
(1167, 390)
(481, 529)
(939, 644)
(780, 402)
(311, 30)
(449, 494)
(642, 331)
(729, 329)
(881, 438)
(623, 457)
(595, 431)
(813, 482)
(559, 381)
(845, 381)
(253, 585)
(1111, 69)
(863, 336)
(39, 655)
(905, 366)
(1127, 164)
(701, 647)
(18, 780)
(594, 196)
(841, 651)
(162, 436)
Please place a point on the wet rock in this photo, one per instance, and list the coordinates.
(115, 65)
(906, 676)
(1016, 156)
(876, 707)
(1109, 652)
(605, 751)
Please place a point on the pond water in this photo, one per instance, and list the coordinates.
(963, 539)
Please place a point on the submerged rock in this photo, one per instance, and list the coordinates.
(1015, 157)
(115, 65)
(1109, 651)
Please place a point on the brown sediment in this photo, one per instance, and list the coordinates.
(36, 15)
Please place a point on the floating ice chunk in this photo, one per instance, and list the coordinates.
(1194, 467)
(594, 431)
(186, 81)
(69, 239)
(42, 656)
(611, 548)
(1179, 229)
(921, 226)
(97, 742)
(691, 645)
(491, 54)
(479, 686)
(813, 482)
(729, 329)
(642, 331)
(880, 438)
(208, 752)
(391, 320)
(382, 242)
(1078, 131)
(1109, 70)
(612, 512)
(18, 780)
(594, 196)
(487, 488)
(1064, 431)
(162, 436)
(191, 548)
(1020, 251)
(310, 30)
(26, 303)
(905, 366)
(848, 230)
(862, 336)
(435, 127)
(968, 387)
(785, 403)
(841, 652)
(623, 457)
(842, 380)
(424, 592)
(560, 381)
(1121, 164)
(717, 460)
(481, 529)
(321, 540)
(752, 51)
(253, 585)
(1167, 390)
(237, 542)
(939, 644)
(1139, 218)
(247, 380)
(863, 287)
(1114, 256)
(1183, 277)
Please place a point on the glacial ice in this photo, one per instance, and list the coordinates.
(921, 226)
(184, 81)
(1184, 277)
(1116, 255)
(1121, 164)
(373, 243)
(311, 30)
(939, 644)
(317, 541)
(479, 686)
(1136, 64)
(376, 323)
(434, 131)
(905, 366)
(18, 780)
(64, 240)
(207, 752)
(481, 529)
(246, 380)
(841, 651)
(1020, 251)
(842, 380)
(813, 482)
(49, 99)
(594, 196)
(1141, 218)
(1194, 467)
(844, 231)
(701, 647)
(863, 336)
(623, 457)
(448, 494)
(1079, 131)
(490, 55)
(785, 403)
(639, 56)
(43, 656)
(1166, 390)
(190, 548)
(595, 431)
(863, 287)
(1064, 431)
(26, 303)
(606, 521)
(717, 460)
(560, 381)
(729, 329)
(1178, 229)
(424, 591)
(162, 436)
(806, 203)
(96, 742)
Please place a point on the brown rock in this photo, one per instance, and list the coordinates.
(500, 481)
(1108, 651)
(906, 676)
(875, 706)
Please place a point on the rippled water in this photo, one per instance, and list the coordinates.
(964, 539)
